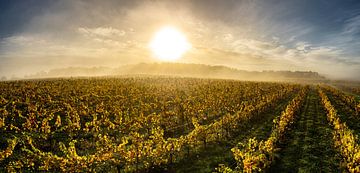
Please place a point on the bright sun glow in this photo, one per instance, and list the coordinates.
(169, 44)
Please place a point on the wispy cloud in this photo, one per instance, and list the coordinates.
(101, 31)
(352, 25)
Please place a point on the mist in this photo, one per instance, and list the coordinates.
(246, 35)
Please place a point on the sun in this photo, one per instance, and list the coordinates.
(169, 44)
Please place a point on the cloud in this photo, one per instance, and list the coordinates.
(22, 40)
(301, 56)
(101, 31)
(303, 46)
(352, 25)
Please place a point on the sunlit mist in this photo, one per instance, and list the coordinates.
(169, 44)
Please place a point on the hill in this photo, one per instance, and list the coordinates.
(184, 70)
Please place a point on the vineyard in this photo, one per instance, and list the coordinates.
(168, 124)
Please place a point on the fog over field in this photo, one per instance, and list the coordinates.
(255, 35)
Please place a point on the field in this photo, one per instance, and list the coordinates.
(168, 124)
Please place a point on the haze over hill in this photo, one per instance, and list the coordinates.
(180, 69)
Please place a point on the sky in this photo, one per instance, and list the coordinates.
(306, 35)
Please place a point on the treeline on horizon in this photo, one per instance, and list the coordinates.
(178, 69)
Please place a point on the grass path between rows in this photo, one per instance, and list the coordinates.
(220, 153)
(309, 146)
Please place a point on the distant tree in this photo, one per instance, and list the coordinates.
(3, 78)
